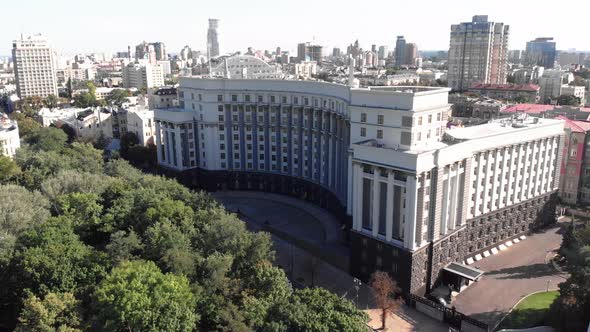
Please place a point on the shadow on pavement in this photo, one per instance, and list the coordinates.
(491, 318)
(524, 272)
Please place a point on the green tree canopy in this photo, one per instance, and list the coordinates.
(137, 296)
(316, 310)
(568, 100)
(48, 139)
(51, 258)
(21, 209)
(117, 97)
(8, 169)
(55, 312)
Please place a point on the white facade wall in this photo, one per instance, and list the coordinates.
(354, 142)
(141, 122)
(9, 137)
(34, 67)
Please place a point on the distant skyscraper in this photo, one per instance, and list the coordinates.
(410, 54)
(34, 67)
(151, 51)
(336, 52)
(302, 51)
(540, 52)
(374, 48)
(160, 49)
(400, 51)
(308, 52)
(383, 52)
(515, 56)
(212, 38)
(478, 53)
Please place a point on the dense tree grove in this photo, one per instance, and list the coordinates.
(94, 245)
(571, 310)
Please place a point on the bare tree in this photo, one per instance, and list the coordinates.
(385, 291)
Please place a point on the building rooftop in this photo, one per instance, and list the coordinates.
(507, 87)
(576, 126)
(538, 109)
(496, 127)
(6, 124)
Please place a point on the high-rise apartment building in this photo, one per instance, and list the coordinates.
(410, 54)
(383, 52)
(419, 199)
(142, 74)
(155, 51)
(400, 51)
(308, 52)
(34, 67)
(540, 52)
(336, 52)
(213, 38)
(478, 53)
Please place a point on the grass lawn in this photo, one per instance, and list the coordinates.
(530, 312)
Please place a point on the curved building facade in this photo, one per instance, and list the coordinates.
(415, 195)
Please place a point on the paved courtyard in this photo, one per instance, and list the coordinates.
(310, 223)
(511, 275)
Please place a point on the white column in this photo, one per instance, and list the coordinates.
(389, 211)
(159, 142)
(178, 147)
(410, 227)
(455, 198)
(358, 197)
(349, 184)
(375, 202)
(446, 202)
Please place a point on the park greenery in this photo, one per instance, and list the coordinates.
(531, 311)
(571, 310)
(94, 244)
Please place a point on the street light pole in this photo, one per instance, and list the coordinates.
(357, 287)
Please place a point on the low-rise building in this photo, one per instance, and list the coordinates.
(140, 121)
(548, 111)
(165, 97)
(576, 91)
(9, 136)
(522, 92)
(574, 187)
(487, 108)
(142, 75)
(306, 69)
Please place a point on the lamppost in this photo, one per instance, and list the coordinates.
(357, 287)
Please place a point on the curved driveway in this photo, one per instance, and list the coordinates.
(511, 275)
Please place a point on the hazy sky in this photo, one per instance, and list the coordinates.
(111, 25)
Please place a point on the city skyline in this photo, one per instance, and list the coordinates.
(273, 24)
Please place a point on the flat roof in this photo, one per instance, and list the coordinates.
(464, 271)
(496, 127)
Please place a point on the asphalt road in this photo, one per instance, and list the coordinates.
(511, 275)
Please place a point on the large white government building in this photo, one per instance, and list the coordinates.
(415, 195)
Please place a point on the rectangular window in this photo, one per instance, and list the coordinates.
(367, 212)
(363, 117)
(219, 97)
(234, 97)
(406, 138)
(407, 121)
(363, 132)
(380, 119)
(379, 133)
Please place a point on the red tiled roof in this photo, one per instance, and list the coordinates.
(538, 108)
(511, 87)
(576, 126)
